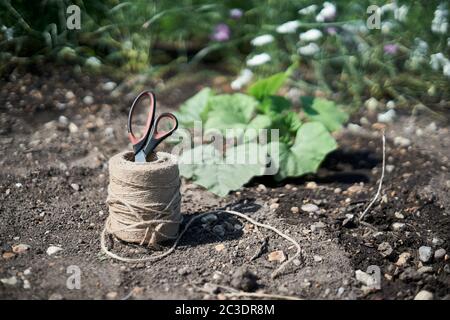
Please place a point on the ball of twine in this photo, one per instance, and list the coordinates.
(144, 199)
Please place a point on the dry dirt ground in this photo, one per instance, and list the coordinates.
(53, 182)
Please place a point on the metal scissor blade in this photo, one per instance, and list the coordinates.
(140, 157)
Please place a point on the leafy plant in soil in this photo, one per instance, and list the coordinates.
(304, 136)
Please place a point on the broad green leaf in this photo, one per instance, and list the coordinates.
(324, 111)
(268, 86)
(192, 109)
(230, 111)
(221, 175)
(261, 121)
(274, 104)
(312, 143)
(288, 123)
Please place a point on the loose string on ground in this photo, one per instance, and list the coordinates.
(377, 195)
(191, 221)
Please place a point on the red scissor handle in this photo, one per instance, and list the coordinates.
(161, 135)
(139, 142)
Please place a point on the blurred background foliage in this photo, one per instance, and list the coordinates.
(142, 36)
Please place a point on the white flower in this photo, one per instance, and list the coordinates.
(288, 27)
(401, 13)
(244, 77)
(258, 60)
(440, 23)
(327, 13)
(262, 40)
(309, 50)
(311, 35)
(308, 10)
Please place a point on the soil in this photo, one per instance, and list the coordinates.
(53, 184)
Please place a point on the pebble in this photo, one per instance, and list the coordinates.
(112, 295)
(387, 116)
(424, 295)
(63, 121)
(371, 104)
(390, 104)
(402, 142)
(355, 128)
(8, 255)
(294, 210)
(365, 278)
(209, 218)
(309, 207)
(109, 132)
(277, 255)
(439, 254)
(12, 281)
(425, 253)
(354, 189)
(390, 168)
(385, 249)
(75, 186)
(20, 248)
(425, 270)
(274, 206)
(53, 249)
(55, 296)
(219, 230)
(403, 259)
(73, 128)
(18, 185)
(109, 86)
(317, 226)
(317, 258)
(219, 247)
(27, 272)
(26, 284)
(399, 215)
(70, 95)
(261, 188)
(311, 185)
(88, 100)
(397, 226)
(244, 280)
(183, 271)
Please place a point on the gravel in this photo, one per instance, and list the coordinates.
(425, 253)
(439, 254)
(385, 249)
(309, 207)
(424, 295)
(53, 249)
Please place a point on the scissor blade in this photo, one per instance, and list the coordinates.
(140, 157)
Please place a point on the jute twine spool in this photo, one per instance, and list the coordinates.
(144, 199)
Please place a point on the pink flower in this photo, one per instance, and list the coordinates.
(221, 33)
(236, 13)
(390, 48)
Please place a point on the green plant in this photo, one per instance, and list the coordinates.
(304, 138)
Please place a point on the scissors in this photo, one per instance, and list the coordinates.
(152, 137)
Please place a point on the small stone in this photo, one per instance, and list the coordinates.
(355, 128)
(397, 226)
(88, 100)
(217, 275)
(402, 142)
(371, 104)
(63, 121)
(55, 296)
(73, 128)
(337, 190)
(296, 262)
(12, 281)
(355, 189)
(8, 255)
(219, 230)
(425, 253)
(274, 206)
(309, 207)
(439, 254)
(390, 104)
(398, 215)
(75, 186)
(18, 185)
(26, 284)
(385, 249)
(261, 188)
(209, 218)
(387, 116)
(219, 247)
(112, 295)
(437, 241)
(20, 248)
(27, 272)
(317, 258)
(109, 132)
(244, 280)
(431, 127)
(390, 168)
(365, 278)
(294, 210)
(53, 249)
(183, 271)
(317, 226)
(311, 185)
(277, 255)
(403, 259)
(109, 86)
(425, 269)
(70, 95)
(424, 295)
